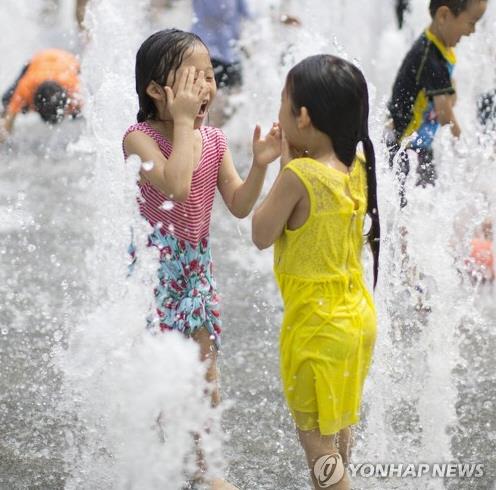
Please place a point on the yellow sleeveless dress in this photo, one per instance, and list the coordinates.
(329, 325)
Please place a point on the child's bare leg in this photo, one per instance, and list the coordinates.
(316, 446)
(208, 353)
(345, 442)
(80, 12)
(223, 485)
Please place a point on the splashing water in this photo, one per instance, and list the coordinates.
(84, 384)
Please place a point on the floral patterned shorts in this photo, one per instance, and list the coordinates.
(186, 298)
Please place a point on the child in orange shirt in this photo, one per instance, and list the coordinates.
(48, 84)
(480, 264)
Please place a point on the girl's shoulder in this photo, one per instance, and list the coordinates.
(315, 172)
(144, 128)
(214, 139)
(301, 163)
(213, 133)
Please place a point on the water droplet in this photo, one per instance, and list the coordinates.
(31, 248)
(147, 166)
(167, 205)
(5, 331)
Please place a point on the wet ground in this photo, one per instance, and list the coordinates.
(44, 239)
(45, 223)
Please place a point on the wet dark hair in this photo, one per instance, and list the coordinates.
(161, 54)
(335, 94)
(50, 100)
(456, 6)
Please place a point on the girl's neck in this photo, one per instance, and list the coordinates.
(330, 159)
(163, 126)
(322, 150)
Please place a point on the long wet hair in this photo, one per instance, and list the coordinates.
(335, 94)
(161, 54)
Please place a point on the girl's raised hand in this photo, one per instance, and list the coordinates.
(266, 150)
(185, 98)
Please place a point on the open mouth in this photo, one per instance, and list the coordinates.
(203, 108)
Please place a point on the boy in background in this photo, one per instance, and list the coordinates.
(48, 85)
(424, 92)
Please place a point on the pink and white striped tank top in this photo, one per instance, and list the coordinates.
(189, 220)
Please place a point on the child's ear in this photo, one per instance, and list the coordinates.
(442, 14)
(303, 120)
(155, 91)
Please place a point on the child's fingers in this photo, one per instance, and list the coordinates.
(180, 79)
(275, 132)
(200, 82)
(190, 79)
(256, 133)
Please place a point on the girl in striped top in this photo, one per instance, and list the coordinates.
(176, 86)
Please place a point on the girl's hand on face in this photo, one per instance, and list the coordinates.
(266, 150)
(185, 98)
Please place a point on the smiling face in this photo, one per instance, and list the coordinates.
(453, 27)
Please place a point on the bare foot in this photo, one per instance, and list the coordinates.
(223, 485)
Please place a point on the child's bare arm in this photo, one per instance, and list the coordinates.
(173, 175)
(240, 196)
(443, 105)
(6, 126)
(271, 216)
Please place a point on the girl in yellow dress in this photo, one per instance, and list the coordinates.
(315, 214)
